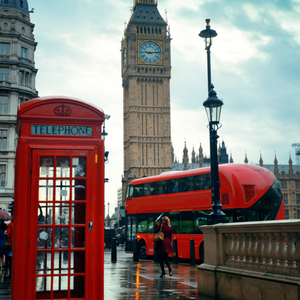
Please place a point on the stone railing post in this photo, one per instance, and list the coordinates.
(243, 250)
(289, 253)
(248, 250)
(281, 253)
(296, 255)
(229, 248)
(268, 250)
(236, 250)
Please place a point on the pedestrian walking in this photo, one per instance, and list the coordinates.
(3, 252)
(9, 235)
(164, 247)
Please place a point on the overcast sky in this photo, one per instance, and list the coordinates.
(255, 70)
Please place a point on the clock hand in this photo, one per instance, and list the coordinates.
(148, 52)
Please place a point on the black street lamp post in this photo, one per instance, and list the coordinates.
(213, 107)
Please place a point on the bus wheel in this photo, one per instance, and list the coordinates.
(142, 249)
(201, 253)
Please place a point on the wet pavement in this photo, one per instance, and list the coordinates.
(130, 280)
(126, 279)
(4, 285)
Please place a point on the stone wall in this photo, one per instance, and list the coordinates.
(253, 260)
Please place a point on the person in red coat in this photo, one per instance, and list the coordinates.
(164, 247)
(9, 238)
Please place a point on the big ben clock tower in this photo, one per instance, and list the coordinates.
(146, 73)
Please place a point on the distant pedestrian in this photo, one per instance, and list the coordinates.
(164, 247)
(9, 238)
(3, 252)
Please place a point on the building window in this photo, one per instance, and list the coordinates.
(3, 139)
(283, 185)
(153, 125)
(21, 77)
(23, 52)
(298, 214)
(3, 105)
(142, 125)
(5, 48)
(286, 213)
(142, 95)
(153, 155)
(285, 197)
(153, 94)
(4, 74)
(22, 100)
(145, 94)
(298, 198)
(3, 175)
(297, 185)
(146, 125)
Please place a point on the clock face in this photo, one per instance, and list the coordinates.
(124, 58)
(150, 52)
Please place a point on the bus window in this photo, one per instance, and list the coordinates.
(150, 223)
(187, 222)
(175, 221)
(138, 190)
(235, 215)
(201, 219)
(128, 222)
(133, 227)
(142, 223)
(197, 183)
(129, 193)
(186, 184)
(161, 187)
(173, 186)
(206, 181)
(149, 188)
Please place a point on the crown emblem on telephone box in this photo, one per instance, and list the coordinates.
(63, 111)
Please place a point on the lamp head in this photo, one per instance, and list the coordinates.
(213, 107)
(208, 34)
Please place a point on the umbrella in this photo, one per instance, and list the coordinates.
(4, 215)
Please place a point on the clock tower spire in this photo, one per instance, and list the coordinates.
(146, 73)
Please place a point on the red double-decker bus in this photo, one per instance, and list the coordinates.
(247, 193)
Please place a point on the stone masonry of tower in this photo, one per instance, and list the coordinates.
(146, 73)
(17, 84)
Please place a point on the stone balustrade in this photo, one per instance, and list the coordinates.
(266, 251)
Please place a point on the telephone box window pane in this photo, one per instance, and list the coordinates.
(45, 213)
(62, 191)
(62, 214)
(45, 190)
(43, 263)
(78, 237)
(77, 262)
(78, 213)
(79, 167)
(46, 166)
(43, 284)
(77, 286)
(63, 167)
(44, 238)
(78, 189)
(60, 284)
(61, 238)
(61, 262)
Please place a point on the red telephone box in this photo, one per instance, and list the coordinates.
(58, 246)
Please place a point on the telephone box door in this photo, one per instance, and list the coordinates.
(61, 224)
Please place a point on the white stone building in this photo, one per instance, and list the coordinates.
(17, 84)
